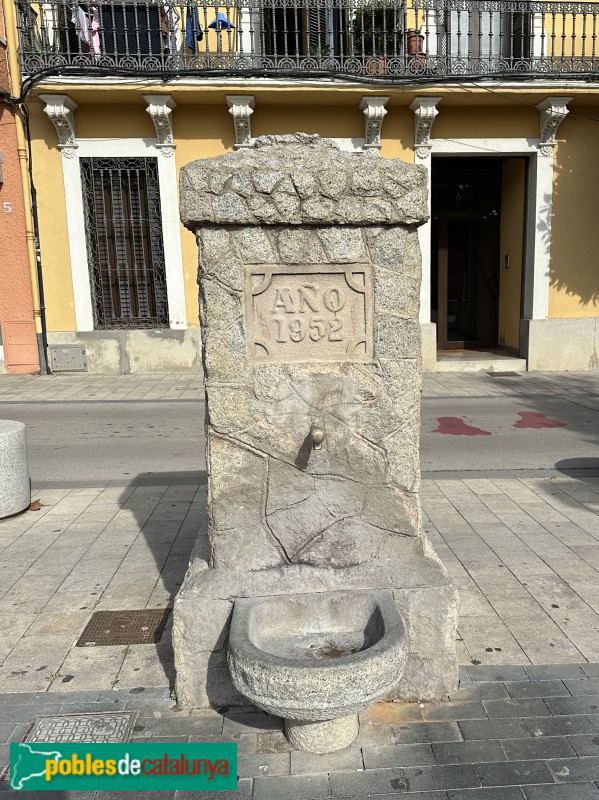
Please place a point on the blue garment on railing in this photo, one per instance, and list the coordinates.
(193, 29)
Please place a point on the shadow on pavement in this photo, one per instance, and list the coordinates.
(170, 510)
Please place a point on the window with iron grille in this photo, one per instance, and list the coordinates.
(125, 247)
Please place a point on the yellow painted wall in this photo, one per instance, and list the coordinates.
(478, 121)
(511, 241)
(203, 129)
(200, 132)
(54, 242)
(96, 121)
(574, 275)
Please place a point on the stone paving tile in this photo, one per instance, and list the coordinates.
(460, 776)
(493, 729)
(183, 725)
(539, 688)
(592, 670)
(560, 726)
(392, 713)
(372, 735)
(574, 791)
(470, 752)
(574, 705)
(569, 770)
(482, 691)
(441, 711)
(504, 793)
(6, 730)
(295, 787)
(411, 796)
(244, 792)
(526, 707)
(252, 766)
(270, 742)
(585, 745)
(427, 732)
(542, 748)
(373, 781)
(582, 687)
(497, 673)
(514, 773)
(339, 761)
(401, 755)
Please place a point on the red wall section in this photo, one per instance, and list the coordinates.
(16, 305)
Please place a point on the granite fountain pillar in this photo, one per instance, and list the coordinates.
(309, 274)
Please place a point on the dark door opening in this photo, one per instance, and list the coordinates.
(466, 204)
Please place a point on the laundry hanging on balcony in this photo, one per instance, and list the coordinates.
(193, 29)
(80, 20)
(171, 28)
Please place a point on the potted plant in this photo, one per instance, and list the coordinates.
(320, 53)
(415, 46)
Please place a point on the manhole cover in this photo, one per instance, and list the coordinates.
(124, 627)
(109, 727)
(504, 374)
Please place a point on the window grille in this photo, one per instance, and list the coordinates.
(124, 241)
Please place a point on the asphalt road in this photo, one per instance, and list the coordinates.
(124, 441)
(509, 433)
(111, 441)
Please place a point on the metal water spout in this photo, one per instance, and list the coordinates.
(317, 435)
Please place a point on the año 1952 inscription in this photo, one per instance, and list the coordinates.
(320, 315)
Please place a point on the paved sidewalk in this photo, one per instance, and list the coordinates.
(524, 554)
(77, 388)
(166, 386)
(510, 733)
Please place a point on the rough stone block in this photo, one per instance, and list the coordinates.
(432, 616)
(428, 677)
(255, 246)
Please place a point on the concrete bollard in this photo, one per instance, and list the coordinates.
(15, 488)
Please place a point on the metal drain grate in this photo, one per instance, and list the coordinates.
(124, 627)
(504, 374)
(107, 727)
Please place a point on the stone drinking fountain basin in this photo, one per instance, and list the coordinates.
(317, 660)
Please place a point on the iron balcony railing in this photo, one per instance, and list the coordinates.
(382, 40)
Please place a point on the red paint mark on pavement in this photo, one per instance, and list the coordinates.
(534, 419)
(455, 426)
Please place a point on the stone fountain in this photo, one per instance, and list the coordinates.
(322, 593)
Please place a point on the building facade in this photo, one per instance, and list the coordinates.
(497, 99)
(19, 352)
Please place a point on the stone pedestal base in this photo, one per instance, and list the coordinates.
(322, 737)
(15, 488)
(425, 598)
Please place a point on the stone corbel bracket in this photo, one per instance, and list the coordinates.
(160, 108)
(374, 114)
(59, 108)
(241, 108)
(553, 112)
(425, 112)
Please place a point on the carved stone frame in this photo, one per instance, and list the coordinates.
(347, 270)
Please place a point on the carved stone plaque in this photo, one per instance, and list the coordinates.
(303, 314)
